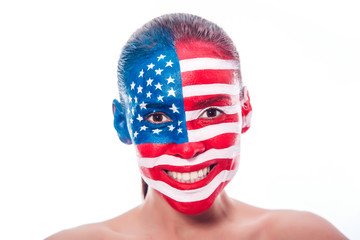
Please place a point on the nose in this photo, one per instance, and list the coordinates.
(187, 150)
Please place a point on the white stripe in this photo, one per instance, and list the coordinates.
(194, 114)
(210, 154)
(247, 120)
(207, 63)
(213, 130)
(245, 95)
(210, 89)
(191, 195)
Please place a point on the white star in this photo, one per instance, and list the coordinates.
(174, 108)
(169, 63)
(135, 134)
(171, 128)
(139, 118)
(158, 71)
(135, 98)
(131, 121)
(148, 95)
(158, 86)
(140, 88)
(143, 128)
(160, 98)
(170, 80)
(149, 81)
(132, 111)
(156, 131)
(171, 92)
(128, 110)
(141, 73)
(132, 85)
(179, 122)
(143, 105)
(161, 57)
(150, 66)
(179, 130)
(130, 98)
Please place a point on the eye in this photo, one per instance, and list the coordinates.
(158, 118)
(211, 113)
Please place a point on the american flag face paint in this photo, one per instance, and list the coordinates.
(184, 116)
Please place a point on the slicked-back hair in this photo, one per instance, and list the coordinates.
(164, 32)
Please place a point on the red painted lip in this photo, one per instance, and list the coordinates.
(184, 169)
(219, 165)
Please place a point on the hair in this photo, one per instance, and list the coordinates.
(164, 32)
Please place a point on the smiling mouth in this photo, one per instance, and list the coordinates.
(190, 177)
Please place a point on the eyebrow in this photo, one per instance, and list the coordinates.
(210, 101)
(157, 105)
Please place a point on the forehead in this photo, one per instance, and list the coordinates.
(188, 63)
(199, 49)
(155, 79)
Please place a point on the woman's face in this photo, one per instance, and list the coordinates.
(184, 116)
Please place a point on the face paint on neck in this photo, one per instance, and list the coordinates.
(184, 117)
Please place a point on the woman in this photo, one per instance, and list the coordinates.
(183, 106)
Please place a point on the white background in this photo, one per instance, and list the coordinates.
(62, 164)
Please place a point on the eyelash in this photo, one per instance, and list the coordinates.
(218, 113)
(150, 118)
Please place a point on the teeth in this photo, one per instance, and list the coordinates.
(178, 175)
(200, 173)
(186, 176)
(193, 175)
(189, 177)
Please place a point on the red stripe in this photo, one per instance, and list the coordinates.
(200, 102)
(243, 130)
(199, 49)
(152, 150)
(208, 76)
(200, 123)
(197, 207)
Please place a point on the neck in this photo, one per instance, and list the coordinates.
(156, 211)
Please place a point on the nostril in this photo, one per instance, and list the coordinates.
(187, 150)
(197, 154)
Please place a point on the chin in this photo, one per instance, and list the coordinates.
(197, 207)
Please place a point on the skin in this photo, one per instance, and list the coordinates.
(225, 219)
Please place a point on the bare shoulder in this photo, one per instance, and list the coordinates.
(259, 223)
(116, 228)
(96, 231)
(89, 232)
(290, 224)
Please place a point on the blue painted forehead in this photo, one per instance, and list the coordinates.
(153, 68)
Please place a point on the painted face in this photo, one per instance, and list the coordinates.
(184, 116)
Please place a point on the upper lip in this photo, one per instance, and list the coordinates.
(183, 169)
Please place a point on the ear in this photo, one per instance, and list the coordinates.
(120, 122)
(246, 110)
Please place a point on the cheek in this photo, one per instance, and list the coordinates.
(222, 141)
(151, 150)
(225, 118)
